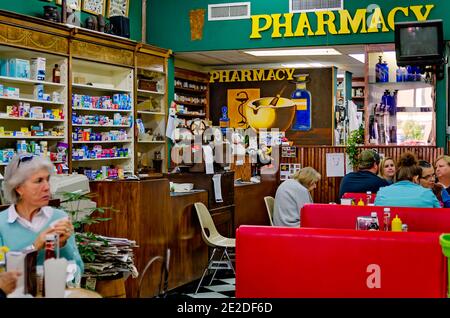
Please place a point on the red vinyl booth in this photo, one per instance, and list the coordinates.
(274, 262)
(356, 196)
(344, 217)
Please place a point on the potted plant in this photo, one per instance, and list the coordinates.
(82, 216)
(355, 139)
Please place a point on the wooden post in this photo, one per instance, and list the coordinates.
(144, 21)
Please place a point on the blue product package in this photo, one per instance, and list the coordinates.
(116, 99)
(19, 68)
(4, 67)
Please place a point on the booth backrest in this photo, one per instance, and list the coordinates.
(356, 196)
(344, 217)
(276, 262)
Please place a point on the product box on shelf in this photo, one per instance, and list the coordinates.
(38, 92)
(13, 92)
(147, 85)
(38, 68)
(19, 68)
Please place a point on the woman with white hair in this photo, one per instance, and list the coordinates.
(292, 195)
(25, 224)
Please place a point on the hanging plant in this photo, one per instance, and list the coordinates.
(355, 139)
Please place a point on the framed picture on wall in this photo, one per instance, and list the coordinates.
(118, 8)
(69, 2)
(94, 6)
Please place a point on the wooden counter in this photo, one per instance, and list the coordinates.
(189, 254)
(143, 216)
(157, 221)
(250, 208)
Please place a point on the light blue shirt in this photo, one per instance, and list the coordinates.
(17, 237)
(406, 193)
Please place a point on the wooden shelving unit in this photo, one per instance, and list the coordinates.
(191, 91)
(28, 112)
(151, 112)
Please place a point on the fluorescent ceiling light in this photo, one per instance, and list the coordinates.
(302, 65)
(293, 52)
(359, 57)
(340, 76)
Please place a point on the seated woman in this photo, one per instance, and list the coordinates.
(427, 180)
(387, 170)
(25, 224)
(407, 191)
(292, 195)
(443, 170)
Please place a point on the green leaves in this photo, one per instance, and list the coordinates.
(73, 203)
(356, 138)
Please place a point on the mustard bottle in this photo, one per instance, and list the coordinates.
(361, 202)
(396, 225)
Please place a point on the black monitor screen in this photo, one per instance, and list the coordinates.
(419, 41)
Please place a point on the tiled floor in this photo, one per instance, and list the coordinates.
(223, 286)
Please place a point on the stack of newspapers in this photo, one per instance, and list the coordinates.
(113, 256)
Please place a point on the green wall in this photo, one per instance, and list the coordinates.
(168, 25)
(35, 8)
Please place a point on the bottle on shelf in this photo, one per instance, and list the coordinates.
(56, 74)
(360, 202)
(378, 69)
(385, 72)
(404, 227)
(386, 218)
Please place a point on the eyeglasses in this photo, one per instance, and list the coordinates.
(429, 177)
(24, 158)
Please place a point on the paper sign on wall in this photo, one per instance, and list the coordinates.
(335, 164)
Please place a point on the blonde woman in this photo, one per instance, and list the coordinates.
(443, 170)
(387, 170)
(292, 195)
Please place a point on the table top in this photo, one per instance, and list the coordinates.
(81, 293)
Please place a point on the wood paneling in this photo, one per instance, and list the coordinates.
(328, 188)
(189, 253)
(100, 53)
(250, 208)
(143, 216)
(33, 39)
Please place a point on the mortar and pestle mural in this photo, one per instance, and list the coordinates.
(279, 112)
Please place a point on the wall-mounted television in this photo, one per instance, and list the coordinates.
(419, 43)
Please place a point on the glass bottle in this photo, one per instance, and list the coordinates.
(50, 244)
(56, 74)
